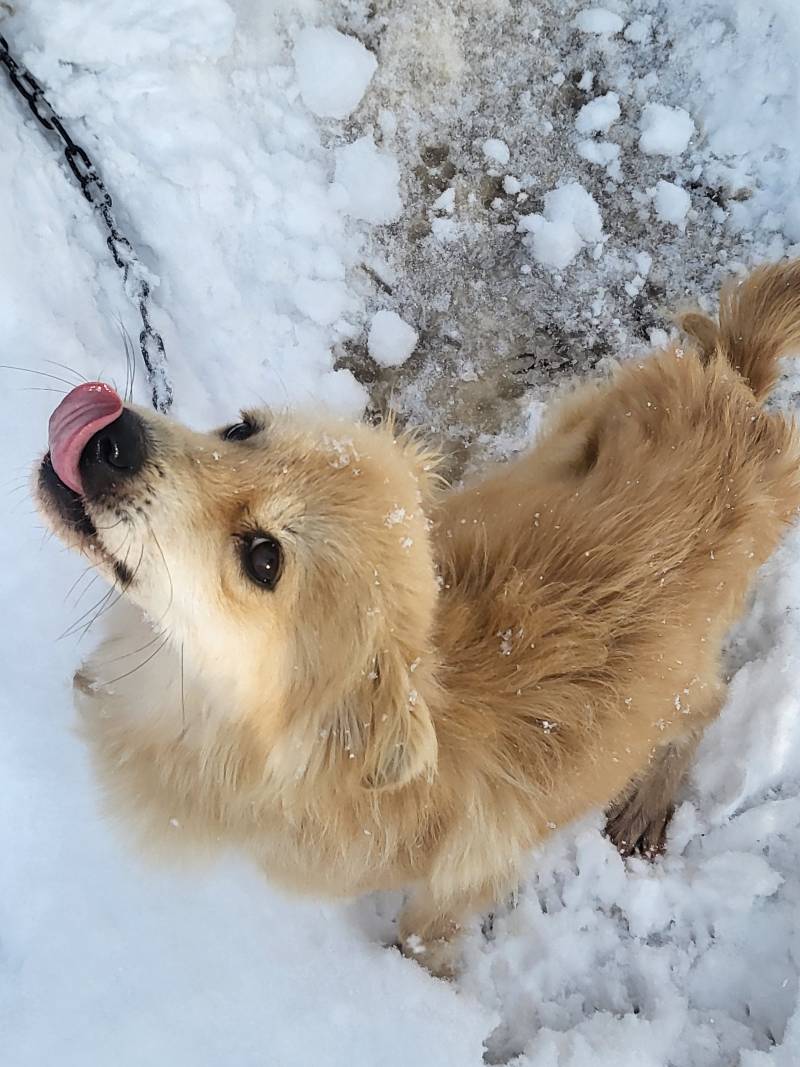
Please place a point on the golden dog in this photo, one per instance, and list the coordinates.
(365, 681)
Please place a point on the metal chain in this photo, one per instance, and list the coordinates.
(93, 188)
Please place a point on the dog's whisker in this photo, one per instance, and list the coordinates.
(139, 666)
(113, 526)
(76, 625)
(85, 590)
(166, 568)
(119, 590)
(40, 373)
(130, 362)
(68, 369)
(42, 389)
(183, 693)
(79, 579)
(134, 651)
(99, 608)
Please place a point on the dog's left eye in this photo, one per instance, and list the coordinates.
(262, 558)
(240, 431)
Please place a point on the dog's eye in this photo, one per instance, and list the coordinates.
(240, 431)
(261, 558)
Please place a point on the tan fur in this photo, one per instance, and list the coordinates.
(439, 680)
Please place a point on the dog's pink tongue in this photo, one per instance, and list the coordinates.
(78, 417)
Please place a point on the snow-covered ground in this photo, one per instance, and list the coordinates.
(496, 179)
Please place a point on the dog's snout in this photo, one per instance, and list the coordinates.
(116, 452)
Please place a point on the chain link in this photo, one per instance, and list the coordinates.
(134, 274)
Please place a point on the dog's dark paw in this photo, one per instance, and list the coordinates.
(635, 830)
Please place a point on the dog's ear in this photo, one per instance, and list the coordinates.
(400, 739)
(424, 457)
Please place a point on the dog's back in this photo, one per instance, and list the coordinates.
(588, 587)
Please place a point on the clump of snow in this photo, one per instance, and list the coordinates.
(446, 201)
(391, 340)
(638, 31)
(496, 151)
(333, 71)
(671, 203)
(599, 20)
(665, 131)
(600, 152)
(371, 180)
(570, 220)
(599, 115)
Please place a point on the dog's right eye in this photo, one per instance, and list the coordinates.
(240, 431)
(262, 559)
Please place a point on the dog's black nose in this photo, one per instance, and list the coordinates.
(114, 454)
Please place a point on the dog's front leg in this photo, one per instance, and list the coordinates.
(430, 927)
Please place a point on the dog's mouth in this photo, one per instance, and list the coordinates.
(65, 502)
(96, 446)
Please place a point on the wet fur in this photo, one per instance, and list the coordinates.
(441, 678)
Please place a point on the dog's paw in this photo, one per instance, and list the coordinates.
(637, 829)
(439, 957)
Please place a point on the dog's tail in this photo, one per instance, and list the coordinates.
(759, 321)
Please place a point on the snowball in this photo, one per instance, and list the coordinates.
(571, 219)
(666, 131)
(598, 20)
(671, 203)
(637, 31)
(333, 71)
(572, 203)
(554, 243)
(391, 340)
(496, 151)
(598, 115)
(370, 179)
(600, 152)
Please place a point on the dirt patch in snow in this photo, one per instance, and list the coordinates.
(495, 323)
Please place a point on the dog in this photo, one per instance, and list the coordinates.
(324, 657)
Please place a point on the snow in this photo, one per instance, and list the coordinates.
(600, 152)
(570, 220)
(671, 203)
(666, 131)
(599, 115)
(599, 20)
(333, 71)
(391, 340)
(370, 180)
(738, 59)
(496, 151)
(637, 31)
(446, 202)
(257, 222)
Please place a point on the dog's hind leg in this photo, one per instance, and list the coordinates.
(638, 820)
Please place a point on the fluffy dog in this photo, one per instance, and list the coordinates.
(366, 681)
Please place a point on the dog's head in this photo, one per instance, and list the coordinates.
(288, 561)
